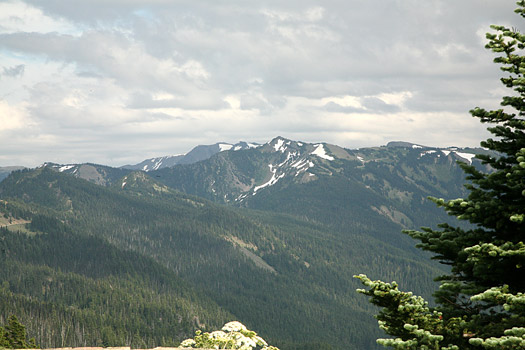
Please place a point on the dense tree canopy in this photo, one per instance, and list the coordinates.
(481, 302)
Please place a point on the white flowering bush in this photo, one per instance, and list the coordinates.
(234, 335)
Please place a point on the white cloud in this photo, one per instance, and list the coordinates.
(93, 80)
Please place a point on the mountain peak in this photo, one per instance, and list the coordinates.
(281, 144)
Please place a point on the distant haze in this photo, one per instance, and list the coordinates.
(116, 82)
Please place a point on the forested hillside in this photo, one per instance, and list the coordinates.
(139, 264)
(77, 290)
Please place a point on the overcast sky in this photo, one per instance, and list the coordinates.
(118, 81)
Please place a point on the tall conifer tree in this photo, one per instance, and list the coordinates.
(481, 302)
(16, 333)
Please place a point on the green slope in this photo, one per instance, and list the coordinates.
(76, 290)
(289, 279)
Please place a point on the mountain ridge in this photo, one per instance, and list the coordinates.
(269, 175)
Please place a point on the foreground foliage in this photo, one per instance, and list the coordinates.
(13, 335)
(481, 302)
(234, 335)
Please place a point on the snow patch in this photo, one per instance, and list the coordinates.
(65, 167)
(321, 152)
(300, 171)
(361, 159)
(225, 147)
(272, 181)
(123, 184)
(157, 165)
(279, 146)
(416, 146)
(427, 152)
(467, 156)
(241, 197)
(300, 163)
(446, 153)
(288, 156)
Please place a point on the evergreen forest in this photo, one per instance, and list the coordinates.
(144, 266)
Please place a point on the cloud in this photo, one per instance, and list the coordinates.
(94, 80)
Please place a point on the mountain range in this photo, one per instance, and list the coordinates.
(270, 235)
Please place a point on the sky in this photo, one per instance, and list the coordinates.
(115, 82)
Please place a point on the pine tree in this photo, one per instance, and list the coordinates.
(481, 302)
(16, 333)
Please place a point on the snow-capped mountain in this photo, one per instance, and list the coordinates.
(318, 180)
(236, 175)
(201, 152)
(326, 182)
(235, 178)
(292, 159)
